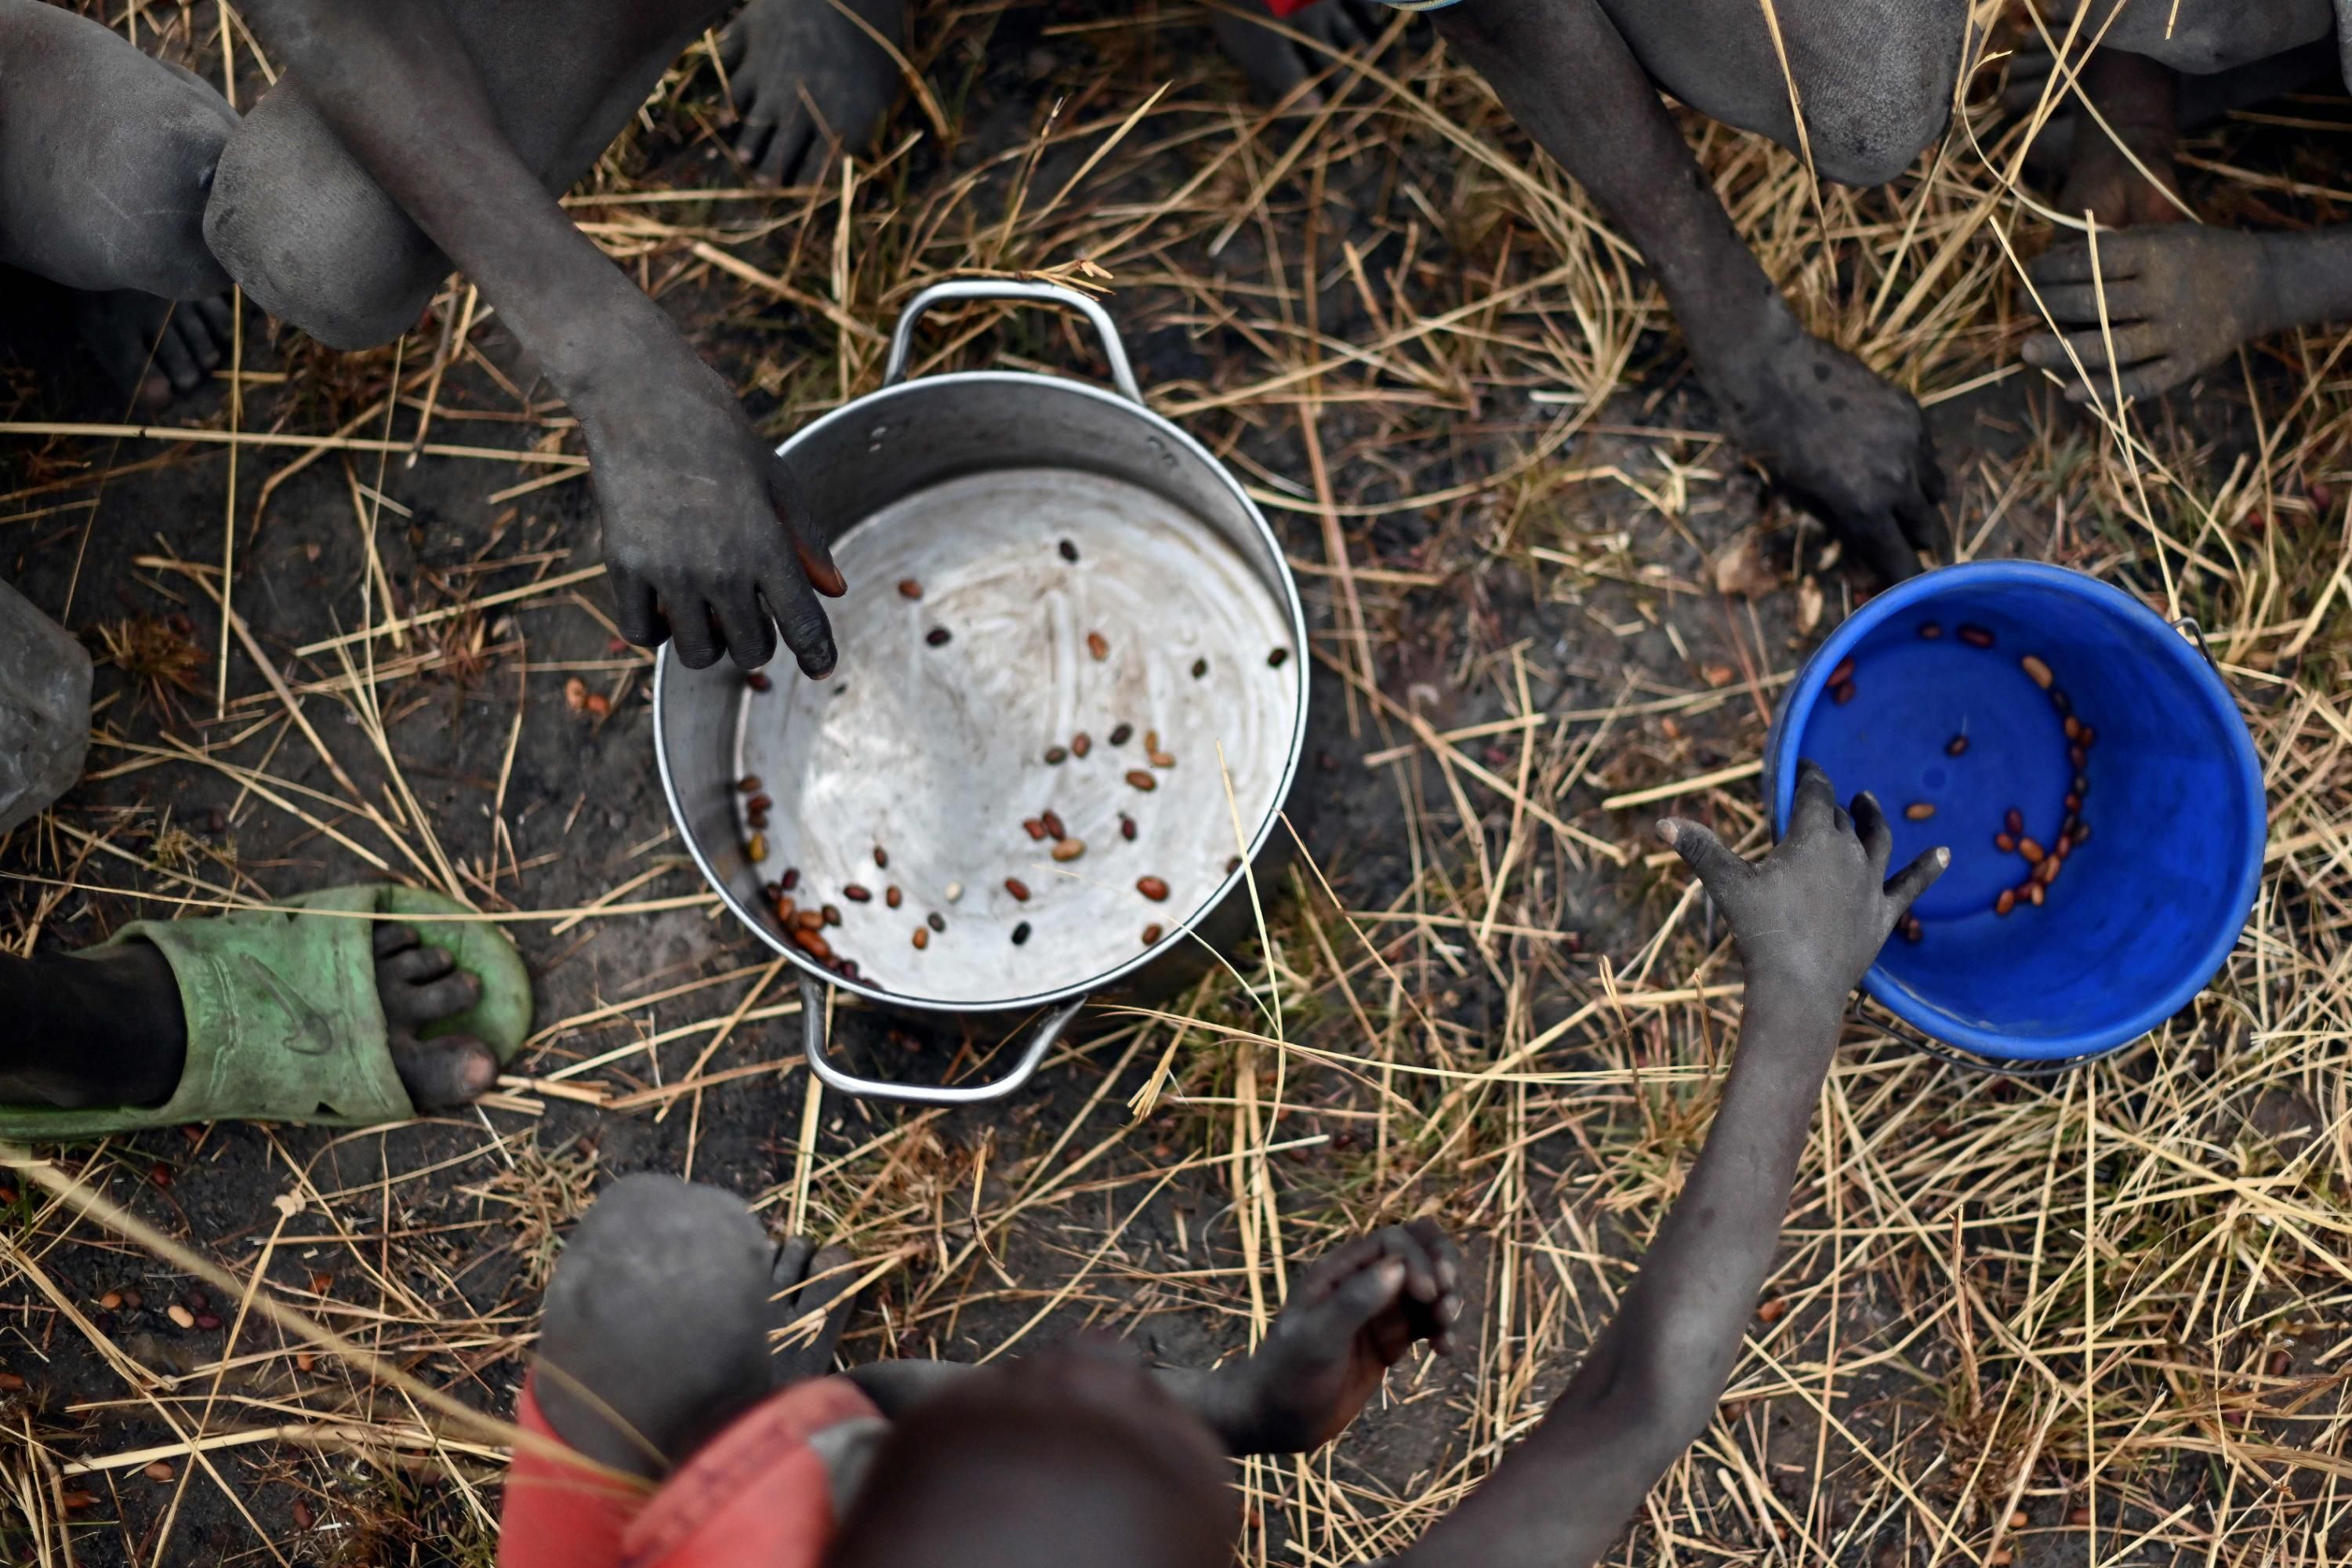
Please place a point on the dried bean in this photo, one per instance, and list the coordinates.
(1919, 810)
(1976, 637)
(813, 944)
(955, 892)
(1151, 934)
(757, 680)
(2074, 728)
(757, 848)
(891, 896)
(749, 784)
(1841, 693)
(2074, 803)
(1278, 658)
(2033, 894)
(110, 1301)
(831, 913)
(848, 969)
(2016, 820)
(2039, 672)
(881, 858)
(207, 1321)
(1843, 671)
(1151, 888)
(786, 910)
(1017, 887)
(1021, 933)
(2005, 902)
(158, 1470)
(808, 919)
(597, 704)
(922, 936)
(2078, 756)
(1141, 779)
(1098, 645)
(856, 894)
(1119, 735)
(1080, 745)
(772, 892)
(1956, 745)
(1056, 755)
(1233, 864)
(2059, 701)
(1126, 827)
(936, 920)
(2032, 850)
(2047, 872)
(1053, 828)
(2081, 834)
(2018, 1521)
(1161, 759)
(1035, 827)
(2082, 785)
(2078, 1515)
(2090, 737)
(758, 803)
(1069, 551)
(909, 589)
(1200, 668)
(757, 821)
(2278, 1363)
(1772, 1311)
(1930, 630)
(790, 879)
(1912, 929)
(2004, 843)
(181, 1315)
(1069, 849)
(938, 637)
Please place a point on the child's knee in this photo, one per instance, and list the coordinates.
(309, 235)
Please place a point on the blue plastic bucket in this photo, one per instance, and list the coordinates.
(2142, 913)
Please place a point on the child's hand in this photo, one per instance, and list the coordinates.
(1812, 915)
(1350, 1319)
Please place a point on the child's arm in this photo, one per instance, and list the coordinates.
(1350, 1318)
(1810, 918)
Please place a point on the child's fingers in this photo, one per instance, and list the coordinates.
(1333, 1270)
(1816, 806)
(1401, 1242)
(1917, 879)
(1718, 869)
(1877, 837)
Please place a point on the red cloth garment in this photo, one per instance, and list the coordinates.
(1285, 8)
(757, 1494)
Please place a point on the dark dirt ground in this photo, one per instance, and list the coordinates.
(584, 814)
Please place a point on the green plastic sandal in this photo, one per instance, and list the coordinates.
(283, 1020)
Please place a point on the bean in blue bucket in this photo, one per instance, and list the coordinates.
(2145, 912)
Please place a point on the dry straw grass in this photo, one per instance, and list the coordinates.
(2104, 1315)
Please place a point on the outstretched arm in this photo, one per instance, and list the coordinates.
(1830, 430)
(704, 537)
(1350, 1318)
(1809, 918)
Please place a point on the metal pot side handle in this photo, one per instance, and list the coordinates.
(814, 1018)
(902, 337)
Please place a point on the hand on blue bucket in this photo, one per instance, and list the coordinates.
(1810, 916)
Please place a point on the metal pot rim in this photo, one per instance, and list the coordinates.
(864, 407)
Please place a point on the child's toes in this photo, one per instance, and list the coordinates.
(444, 1074)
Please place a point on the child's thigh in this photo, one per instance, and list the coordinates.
(2210, 35)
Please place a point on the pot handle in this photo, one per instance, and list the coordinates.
(902, 337)
(1042, 1035)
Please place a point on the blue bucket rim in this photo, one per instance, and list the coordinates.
(1804, 694)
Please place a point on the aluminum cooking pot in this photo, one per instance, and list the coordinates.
(1070, 708)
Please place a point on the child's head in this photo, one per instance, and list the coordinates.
(1073, 1459)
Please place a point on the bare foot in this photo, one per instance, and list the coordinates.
(419, 986)
(152, 350)
(807, 79)
(1854, 449)
(1277, 65)
(2139, 100)
(2177, 301)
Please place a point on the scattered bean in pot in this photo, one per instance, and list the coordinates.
(938, 637)
(1098, 645)
(1150, 935)
(2005, 902)
(1021, 933)
(808, 919)
(2082, 785)
(856, 894)
(1053, 828)
(892, 897)
(2090, 737)
(2078, 756)
(749, 784)
(2031, 850)
(831, 913)
(757, 680)
(1919, 810)
(2074, 803)
(757, 821)
(955, 892)
(1080, 745)
(922, 936)
(1912, 929)
(936, 920)
(1035, 827)
(1841, 693)
(1930, 630)
(1069, 551)
(1233, 864)
(2039, 672)
(2033, 894)
(1200, 668)
(1017, 887)
(1069, 849)
(1126, 827)
(757, 848)
(1843, 672)
(1278, 658)
(1956, 745)
(2074, 728)
(758, 803)
(790, 879)
(1151, 888)
(2081, 834)
(813, 944)
(1119, 735)
(2060, 700)
(785, 909)
(2047, 872)
(2016, 821)
(1056, 755)
(1141, 779)
(909, 589)
(881, 858)
(2004, 843)
(1976, 637)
